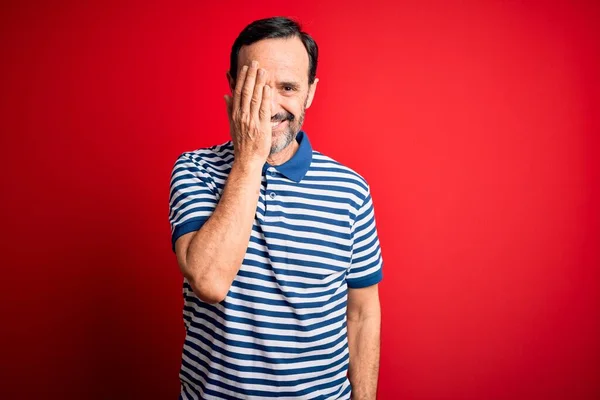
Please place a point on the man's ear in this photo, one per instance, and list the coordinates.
(311, 92)
(231, 82)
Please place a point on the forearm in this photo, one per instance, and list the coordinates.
(217, 250)
(363, 342)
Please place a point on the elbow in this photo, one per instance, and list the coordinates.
(207, 282)
(208, 290)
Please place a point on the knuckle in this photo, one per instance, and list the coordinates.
(245, 116)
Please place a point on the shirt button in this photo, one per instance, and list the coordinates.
(273, 173)
(272, 195)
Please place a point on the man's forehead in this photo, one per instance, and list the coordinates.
(277, 56)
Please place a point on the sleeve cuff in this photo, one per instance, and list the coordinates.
(187, 227)
(365, 281)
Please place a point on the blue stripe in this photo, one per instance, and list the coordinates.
(202, 194)
(366, 281)
(303, 228)
(282, 337)
(271, 324)
(281, 314)
(272, 302)
(305, 206)
(318, 197)
(296, 261)
(206, 210)
(277, 290)
(284, 272)
(304, 252)
(285, 283)
(343, 189)
(190, 201)
(307, 217)
(351, 181)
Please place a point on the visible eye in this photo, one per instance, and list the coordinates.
(288, 88)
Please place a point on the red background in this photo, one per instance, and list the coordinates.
(476, 125)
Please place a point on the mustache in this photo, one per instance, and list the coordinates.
(282, 116)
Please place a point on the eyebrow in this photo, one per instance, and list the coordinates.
(294, 85)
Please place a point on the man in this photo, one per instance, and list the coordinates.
(276, 242)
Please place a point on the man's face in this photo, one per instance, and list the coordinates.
(286, 61)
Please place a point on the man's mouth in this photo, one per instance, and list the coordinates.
(277, 124)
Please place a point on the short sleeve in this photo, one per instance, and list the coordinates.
(192, 198)
(367, 264)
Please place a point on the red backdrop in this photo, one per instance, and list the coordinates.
(476, 126)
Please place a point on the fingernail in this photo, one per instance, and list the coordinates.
(261, 72)
(254, 64)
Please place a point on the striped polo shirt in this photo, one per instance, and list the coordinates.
(281, 330)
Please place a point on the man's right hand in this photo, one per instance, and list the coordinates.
(249, 114)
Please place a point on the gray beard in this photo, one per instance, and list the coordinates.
(288, 137)
(289, 134)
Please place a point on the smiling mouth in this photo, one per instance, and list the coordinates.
(277, 124)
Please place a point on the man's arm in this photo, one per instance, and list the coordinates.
(364, 324)
(211, 257)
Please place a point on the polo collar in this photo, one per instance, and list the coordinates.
(297, 166)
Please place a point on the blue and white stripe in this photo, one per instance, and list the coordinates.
(281, 330)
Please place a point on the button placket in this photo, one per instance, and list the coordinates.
(272, 173)
(262, 199)
(270, 195)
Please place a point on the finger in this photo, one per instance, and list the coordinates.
(239, 84)
(261, 79)
(265, 106)
(248, 88)
(229, 103)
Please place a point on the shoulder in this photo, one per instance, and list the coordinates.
(327, 168)
(211, 155)
(347, 185)
(209, 159)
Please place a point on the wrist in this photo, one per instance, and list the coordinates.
(249, 168)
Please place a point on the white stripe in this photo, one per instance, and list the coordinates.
(275, 296)
(298, 235)
(287, 309)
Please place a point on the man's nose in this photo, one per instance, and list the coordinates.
(274, 102)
